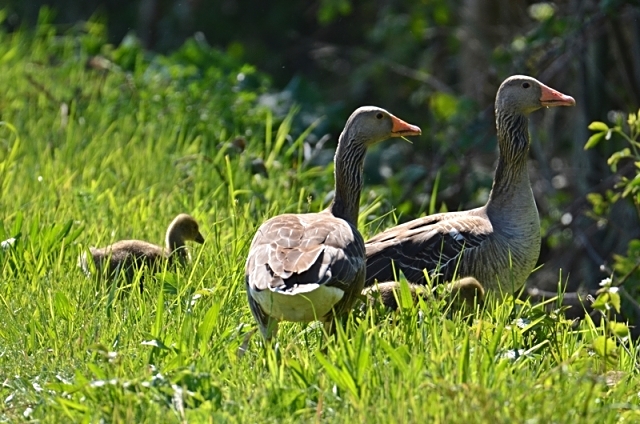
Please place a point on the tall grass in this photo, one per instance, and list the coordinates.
(93, 151)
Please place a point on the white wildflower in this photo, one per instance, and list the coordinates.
(605, 282)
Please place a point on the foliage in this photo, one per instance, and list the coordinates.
(626, 189)
(616, 334)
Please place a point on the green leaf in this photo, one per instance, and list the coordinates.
(399, 357)
(339, 376)
(434, 194)
(598, 126)
(62, 306)
(98, 373)
(594, 140)
(619, 329)
(301, 372)
(464, 359)
(66, 403)
(362, 359)
(595, 198)
(61, 231)
(615, 158)
(17, 224)
(405, 297)
(614, 300)
(605, 347)
(156, 330)
(208, 324)
(601, 302)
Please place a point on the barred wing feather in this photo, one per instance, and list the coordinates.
(297, 253)
(435, 243)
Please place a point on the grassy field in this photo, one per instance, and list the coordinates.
(92, 151)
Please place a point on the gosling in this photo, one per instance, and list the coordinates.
(464, 293)
(129, 255)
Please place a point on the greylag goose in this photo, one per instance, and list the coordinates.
(498, 243)
(308, 267)
(131, 254)
(463, 293)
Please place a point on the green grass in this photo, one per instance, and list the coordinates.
(89, 156)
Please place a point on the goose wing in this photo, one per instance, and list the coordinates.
(297, 253)
(433, 243)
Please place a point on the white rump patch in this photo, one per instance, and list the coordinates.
(308, 303)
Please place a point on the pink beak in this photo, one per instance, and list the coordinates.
(401, 128)
(551, 97)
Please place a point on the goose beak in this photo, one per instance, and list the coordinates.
(199, 238)
(551, 97)
(401, 128)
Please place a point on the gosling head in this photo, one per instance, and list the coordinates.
(187, 227)
(467, 292)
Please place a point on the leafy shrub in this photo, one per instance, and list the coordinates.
(627, 188)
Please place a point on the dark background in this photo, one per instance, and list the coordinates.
(436, 63)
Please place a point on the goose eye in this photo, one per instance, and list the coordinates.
(526, 85)
(379, 115)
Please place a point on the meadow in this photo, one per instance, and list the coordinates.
(99, 143)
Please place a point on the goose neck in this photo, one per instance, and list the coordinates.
(513, 143)
(348, 165)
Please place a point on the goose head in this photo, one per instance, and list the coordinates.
(521, 94)
(369, 125)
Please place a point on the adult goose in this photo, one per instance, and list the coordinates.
(498, 243)
(307, 267)
(131, 254)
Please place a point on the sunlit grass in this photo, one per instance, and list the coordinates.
(89, 156)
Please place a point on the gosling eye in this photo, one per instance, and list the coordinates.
(526, 85)
(379, 115)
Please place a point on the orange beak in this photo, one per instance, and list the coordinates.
(401, 128)
(551, 97)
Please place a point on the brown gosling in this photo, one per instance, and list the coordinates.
(129, 255)
(464, 294)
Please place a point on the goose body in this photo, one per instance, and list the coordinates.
(459, 244)
(297, 256)
(497, 243)
(307, 267)
(131, 254)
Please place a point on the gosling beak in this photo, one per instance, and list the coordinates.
(551, 97)
(199, 238)
(401, 128)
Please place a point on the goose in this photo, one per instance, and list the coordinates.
(311, 267)
(463, 293)
(497, 243)
(131, 254)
